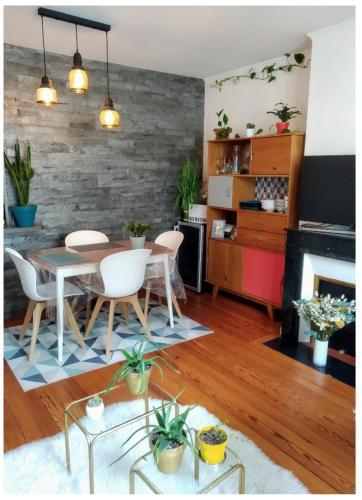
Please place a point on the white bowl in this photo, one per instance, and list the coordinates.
(268, 205)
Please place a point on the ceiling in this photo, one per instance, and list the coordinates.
(190, 41)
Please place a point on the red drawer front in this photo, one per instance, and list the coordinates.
(263, 274)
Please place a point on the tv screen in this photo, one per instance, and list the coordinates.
(327, 189)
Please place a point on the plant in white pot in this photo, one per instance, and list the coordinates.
(250, 130)
(137, 229)
(94, 407)
(21, 174)
(168, 438)
(324, 315)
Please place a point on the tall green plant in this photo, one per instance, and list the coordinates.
(285, 113)
(20, 172)
(188, 185)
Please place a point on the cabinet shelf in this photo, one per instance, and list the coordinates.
(264, 212)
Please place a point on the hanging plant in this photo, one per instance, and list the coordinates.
(268, 73)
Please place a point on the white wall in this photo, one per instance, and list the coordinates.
(331, 106)
(248, 100)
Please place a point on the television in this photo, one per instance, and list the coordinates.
(327, 190)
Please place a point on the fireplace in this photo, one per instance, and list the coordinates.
(314, 259)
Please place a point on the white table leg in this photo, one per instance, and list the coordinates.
(60, 312)
(166, 268)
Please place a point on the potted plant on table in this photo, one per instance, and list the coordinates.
(137, 369)
(168, 438)
(21, 173)
(284, 113)
(95, 407)
(223, 130)
(250, 130)
(188, 186)
(212, 441)
(324, 315)
(138, 230)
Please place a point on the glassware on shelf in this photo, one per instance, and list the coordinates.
(236, 161)
(245, 160)
(223, 165)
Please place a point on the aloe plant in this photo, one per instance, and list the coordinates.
(166, 432)
(20, 172)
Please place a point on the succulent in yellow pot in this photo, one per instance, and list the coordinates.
(212, 442)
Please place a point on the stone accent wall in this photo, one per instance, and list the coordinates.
(88, 177)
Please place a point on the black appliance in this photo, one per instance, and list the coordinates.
(327, 189)
(191, 254)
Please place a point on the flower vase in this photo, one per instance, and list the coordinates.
(320, 352)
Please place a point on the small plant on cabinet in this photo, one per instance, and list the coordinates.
(284, 113)
(223, 130)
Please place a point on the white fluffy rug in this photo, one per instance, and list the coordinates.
(40, 468)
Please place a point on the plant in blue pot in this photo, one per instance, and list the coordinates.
(21, 174)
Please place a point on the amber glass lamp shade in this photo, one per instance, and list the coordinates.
(78, 78)
(109, 117)
(46, 93)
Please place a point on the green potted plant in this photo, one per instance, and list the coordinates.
(136, 370)
(137, 229)
(223, 130)
(250, 130)
(284, 113)
(168, 438)
(94, 407)
(324, 315)
(212, 441)
(21, 173)
(188, 186)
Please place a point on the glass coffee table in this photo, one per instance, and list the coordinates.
(199, 477)
(95, 430)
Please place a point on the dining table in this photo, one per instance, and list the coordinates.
(65, 262)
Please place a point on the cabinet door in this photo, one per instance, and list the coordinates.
(220, 191)
(263, 274)
(271, 155)
(216, 262)
(234, 268)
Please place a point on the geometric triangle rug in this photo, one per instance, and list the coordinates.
(39, 468)
(45, 367)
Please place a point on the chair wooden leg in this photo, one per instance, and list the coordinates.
(147, 300)
(28, 315)
(124, 309)
(72, 323)
(38, 309)
(159, 300)
(112, 305)
(88, 312)
(95, 313)
(136, 306)
(270, 311)
(176, 306)
(215, 290)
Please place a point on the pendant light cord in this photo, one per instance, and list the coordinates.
(76, 35)
(107, 64)
(42, 31)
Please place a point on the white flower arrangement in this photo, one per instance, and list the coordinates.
(325, 314)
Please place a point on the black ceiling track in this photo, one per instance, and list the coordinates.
(80, 21)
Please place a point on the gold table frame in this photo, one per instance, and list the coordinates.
(92, 438)
(237, 467)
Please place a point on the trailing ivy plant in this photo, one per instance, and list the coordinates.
(269, 72)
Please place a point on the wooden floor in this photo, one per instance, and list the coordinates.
(302, 419)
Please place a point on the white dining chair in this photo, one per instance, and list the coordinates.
(39, 296)
(172, 240)
(85, 237)
(123, 274)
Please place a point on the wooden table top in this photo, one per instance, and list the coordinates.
(94, 256)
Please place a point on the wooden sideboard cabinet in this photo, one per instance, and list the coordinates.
(252, 265)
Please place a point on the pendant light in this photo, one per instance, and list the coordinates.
(108, 117)
(46, 93)
(78, 79)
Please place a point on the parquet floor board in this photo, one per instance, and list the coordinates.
(302, 419)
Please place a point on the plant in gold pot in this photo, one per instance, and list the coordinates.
(212, 441)
(136, 370)
(137, 229)
(168, 438)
